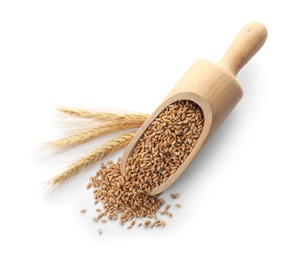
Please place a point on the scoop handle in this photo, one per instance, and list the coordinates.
(245, 45)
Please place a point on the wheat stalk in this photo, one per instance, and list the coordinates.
(101, 115)
(92, 157)
(106, 128)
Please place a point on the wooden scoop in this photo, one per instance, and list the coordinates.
(213, 87)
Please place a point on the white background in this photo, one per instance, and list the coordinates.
(239, 196)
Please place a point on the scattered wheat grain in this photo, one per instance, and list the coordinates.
(167, 207)
(174, 196)
(99, 231)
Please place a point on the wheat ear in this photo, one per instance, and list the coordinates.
(106, 128)
(100, 115)
(92, 157)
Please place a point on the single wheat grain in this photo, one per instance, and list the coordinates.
(99, 231)
(174, 196)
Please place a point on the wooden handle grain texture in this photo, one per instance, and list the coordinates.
(213, 87)
(245, 45)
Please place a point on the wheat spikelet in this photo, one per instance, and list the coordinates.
(89, 159)
(97, 131)
(101, 115)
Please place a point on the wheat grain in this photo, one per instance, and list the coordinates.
(174, 196)
(132, 224)
(167, 207)
(94, 156)
(121, 197)
(99, 231)
(165, 144)
(100, 215)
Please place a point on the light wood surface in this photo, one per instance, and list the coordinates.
(213, 87)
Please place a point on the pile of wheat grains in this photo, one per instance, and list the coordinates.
(164, 146)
